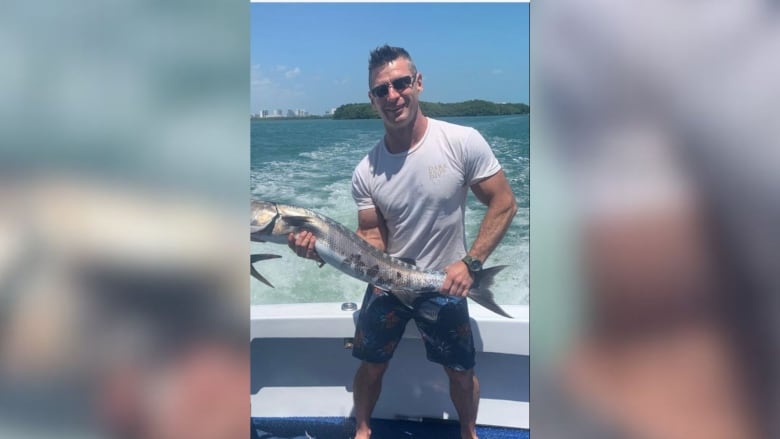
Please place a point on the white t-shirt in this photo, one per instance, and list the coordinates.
(421, 192)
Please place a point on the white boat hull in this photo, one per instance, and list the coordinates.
(300, 367)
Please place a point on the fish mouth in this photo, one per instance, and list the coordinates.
(256, 230)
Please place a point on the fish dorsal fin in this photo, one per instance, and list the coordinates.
(253, 271)
(262, 257)
(256, 258)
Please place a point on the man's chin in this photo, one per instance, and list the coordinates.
(397, 118)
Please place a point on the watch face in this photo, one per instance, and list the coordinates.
(473, 264)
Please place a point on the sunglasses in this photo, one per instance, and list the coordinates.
(398, 85)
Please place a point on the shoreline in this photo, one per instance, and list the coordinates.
(473, 107)
(269, 119)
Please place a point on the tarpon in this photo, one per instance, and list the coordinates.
(346, 251)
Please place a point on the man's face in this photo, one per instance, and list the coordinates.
(399, 107)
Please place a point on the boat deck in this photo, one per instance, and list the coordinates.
(343, 428)
(303, 370)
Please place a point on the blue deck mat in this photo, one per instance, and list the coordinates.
(343, 428)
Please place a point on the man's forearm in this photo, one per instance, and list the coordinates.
(373, 237)
(371, 228)
(494, 225)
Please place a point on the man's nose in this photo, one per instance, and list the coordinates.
(390, 91)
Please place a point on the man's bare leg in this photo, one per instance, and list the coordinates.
(366, 389)
(464, 392)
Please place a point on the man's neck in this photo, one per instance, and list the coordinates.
(398, 140)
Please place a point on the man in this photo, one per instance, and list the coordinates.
(411, 192)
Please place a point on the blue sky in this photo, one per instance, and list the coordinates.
(314, 56)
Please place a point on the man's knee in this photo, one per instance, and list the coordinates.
(463, 377)
(374, 371)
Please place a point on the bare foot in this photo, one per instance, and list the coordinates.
(363, 434)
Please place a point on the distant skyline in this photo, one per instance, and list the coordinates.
(314, 56)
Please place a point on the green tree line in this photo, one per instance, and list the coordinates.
(474, 107)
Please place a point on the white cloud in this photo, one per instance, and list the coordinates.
(292, 73)
(267, 92)
(257, 78)
(497, 71)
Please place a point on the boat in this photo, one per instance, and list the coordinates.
(302, 370)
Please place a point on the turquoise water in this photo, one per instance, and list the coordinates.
(310, 162)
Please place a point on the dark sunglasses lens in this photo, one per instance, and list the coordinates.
(381, 91)
(402, 83)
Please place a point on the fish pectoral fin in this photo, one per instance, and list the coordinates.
(260, 257)
(297, 221)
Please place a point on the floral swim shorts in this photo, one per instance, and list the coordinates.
(443, 322)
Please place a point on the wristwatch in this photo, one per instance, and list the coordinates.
(474, 265)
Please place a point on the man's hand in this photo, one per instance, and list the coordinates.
(303, 245)
(458, 280)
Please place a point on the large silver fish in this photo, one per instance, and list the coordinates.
(350, 254)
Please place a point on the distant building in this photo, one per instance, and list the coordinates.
(281, 113)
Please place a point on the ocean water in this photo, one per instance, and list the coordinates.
(309, 163)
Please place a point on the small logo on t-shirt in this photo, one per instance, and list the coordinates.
(434, 172)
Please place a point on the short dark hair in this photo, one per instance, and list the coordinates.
(384, 54)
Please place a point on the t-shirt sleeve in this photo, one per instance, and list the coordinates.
(360, 188)
(481, 163)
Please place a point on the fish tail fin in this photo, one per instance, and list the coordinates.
(260, 257)
(480, 291)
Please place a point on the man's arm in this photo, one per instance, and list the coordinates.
(497, 195)
(372, 228)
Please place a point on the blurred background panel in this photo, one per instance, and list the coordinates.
(123, 171)
(124, 134)
(653, 214)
